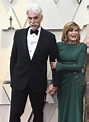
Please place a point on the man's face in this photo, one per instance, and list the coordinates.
(34, 20)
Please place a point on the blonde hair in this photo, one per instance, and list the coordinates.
(70, 26)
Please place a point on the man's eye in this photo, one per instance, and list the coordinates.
(29, 18)
(35, 17)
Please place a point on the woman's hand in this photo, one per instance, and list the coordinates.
(53, 64)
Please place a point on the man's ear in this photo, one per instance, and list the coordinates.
(42, 17)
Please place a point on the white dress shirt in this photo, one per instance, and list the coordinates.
(32, 40)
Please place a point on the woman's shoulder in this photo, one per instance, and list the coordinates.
(82, 44)
(60, 43)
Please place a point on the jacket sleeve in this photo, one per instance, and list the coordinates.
(54, 55)
(76, 66)
(13, 57)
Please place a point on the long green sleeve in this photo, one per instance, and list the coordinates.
(77, 65)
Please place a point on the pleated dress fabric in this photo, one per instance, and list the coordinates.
(71, 81)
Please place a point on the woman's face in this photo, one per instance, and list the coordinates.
(73, 34)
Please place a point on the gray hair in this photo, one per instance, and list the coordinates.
(35, 8)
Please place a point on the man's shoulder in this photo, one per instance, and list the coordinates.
(21, 30)
(47, 31)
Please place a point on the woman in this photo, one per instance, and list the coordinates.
(72, 55)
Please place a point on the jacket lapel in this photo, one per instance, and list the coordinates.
(24, 41)
(40, 42)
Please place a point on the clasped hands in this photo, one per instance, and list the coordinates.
(52, 89)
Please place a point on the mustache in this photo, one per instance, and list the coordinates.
(35, 24)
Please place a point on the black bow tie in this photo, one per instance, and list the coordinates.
(32, 31)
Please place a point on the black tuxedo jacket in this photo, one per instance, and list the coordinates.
(23, 69)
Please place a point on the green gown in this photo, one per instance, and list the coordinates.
(71, 81)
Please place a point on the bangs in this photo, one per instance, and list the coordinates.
(73, 27)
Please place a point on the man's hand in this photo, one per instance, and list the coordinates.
(52, 90)
(53, 64)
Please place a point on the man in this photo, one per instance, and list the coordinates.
(28, 66)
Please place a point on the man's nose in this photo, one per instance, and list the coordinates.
(32, 20)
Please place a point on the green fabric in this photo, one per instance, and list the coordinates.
(71, 81)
